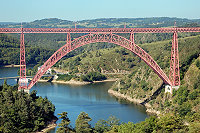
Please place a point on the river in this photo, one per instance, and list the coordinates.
(92, 99)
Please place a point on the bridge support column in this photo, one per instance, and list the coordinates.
(22, 80)
(68, 42)
(132, 41)
(174, 74)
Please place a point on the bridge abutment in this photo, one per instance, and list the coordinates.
(170, 89)
(25, 90)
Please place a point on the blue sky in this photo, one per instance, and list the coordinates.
(30, 10)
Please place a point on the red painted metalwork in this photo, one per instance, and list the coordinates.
(22, 79)
(97, 37)
(174, 74)
(99, 30)
(68, 43)
(132, 40)
(103, 35)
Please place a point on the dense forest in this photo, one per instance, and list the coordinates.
(89, 77)
(10, 48)
(21, 112)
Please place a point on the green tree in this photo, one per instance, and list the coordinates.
(198, 63)
(106, 125)
(21, 112)
(64, 125)
(101, 126)
(93, 76)
(112, 120)
(126, 127)
(169, 123)
(82, 125)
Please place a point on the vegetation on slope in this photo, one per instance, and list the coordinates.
(21, 112)
(116, 60)
(183, 104)
(10, 49)
(89, 77)
(93, 76)
(49, 43)
(182, 107)
(142, 82)
(106, 23)
(180, 112)
(167, 123)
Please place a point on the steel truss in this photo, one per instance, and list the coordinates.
(102, 35)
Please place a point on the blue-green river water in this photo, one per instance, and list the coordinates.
(92, 99)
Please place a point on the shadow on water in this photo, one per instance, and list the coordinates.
(141, 108)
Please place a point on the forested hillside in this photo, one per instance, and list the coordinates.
(179, 112)
(46, 44)
(183, 105)
(10, 48)
(142, 82)
(105, 23)
(21, 112)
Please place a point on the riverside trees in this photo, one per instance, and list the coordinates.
(21, 112)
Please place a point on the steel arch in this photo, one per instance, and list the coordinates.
(94, 38)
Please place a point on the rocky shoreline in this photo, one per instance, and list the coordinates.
(50, 126)
(149, 109)
(11, 65)
(73, 82)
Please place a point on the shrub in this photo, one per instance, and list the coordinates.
(198, 63)
(64, 77)
(193, 95)
(144, 85)
(93, 76)
(184, 109)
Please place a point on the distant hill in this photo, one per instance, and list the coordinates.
(105, 23)
(52, 42)
(7, 23)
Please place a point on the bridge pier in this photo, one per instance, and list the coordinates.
(25, 90)
(170, 89)
(22, 80)
(174, 74)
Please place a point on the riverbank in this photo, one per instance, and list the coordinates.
(149, 109)
(50, 126)
(11, 65)
(107, 80)
(74, 82)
